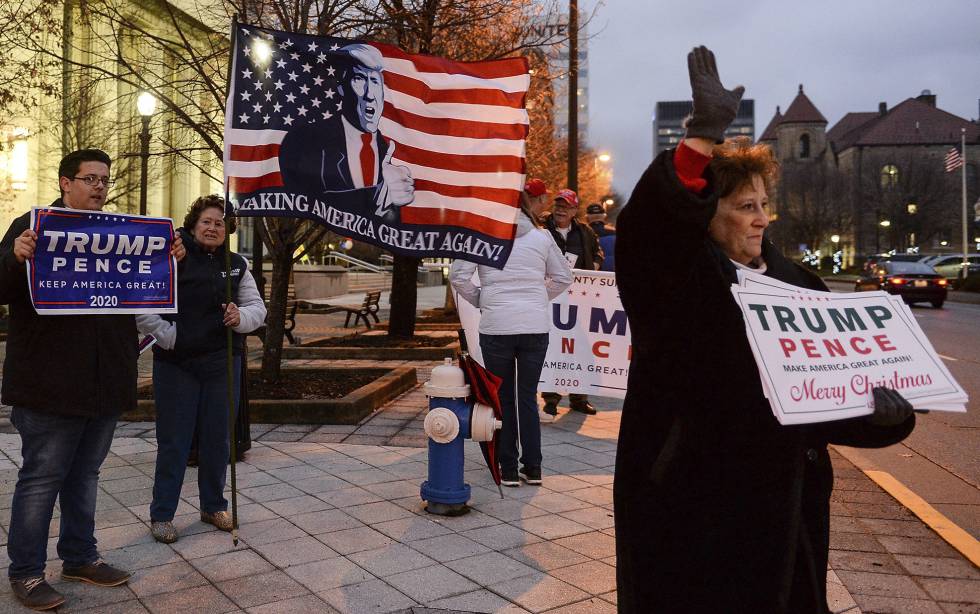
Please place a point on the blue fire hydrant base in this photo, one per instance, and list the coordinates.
(437, 495)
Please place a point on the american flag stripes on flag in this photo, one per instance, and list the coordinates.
(429, 164)
(953, 160)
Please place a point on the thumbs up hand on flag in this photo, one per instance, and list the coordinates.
(399, 187)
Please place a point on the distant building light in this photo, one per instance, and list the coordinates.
(912, 208)
(835, 238)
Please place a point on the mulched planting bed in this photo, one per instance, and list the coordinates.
(305, 384)
(312, 385)
(438, 318)
(383, 341)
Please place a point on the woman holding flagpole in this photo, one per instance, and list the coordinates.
(718, 507)
(190, 367)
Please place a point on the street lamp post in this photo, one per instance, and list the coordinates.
(145, 104)
(573, 95)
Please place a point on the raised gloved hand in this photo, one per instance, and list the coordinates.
(714, 106)
(891, 408)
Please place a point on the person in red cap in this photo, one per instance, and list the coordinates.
(581, 247)
(537, 195)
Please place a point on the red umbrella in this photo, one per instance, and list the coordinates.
(485, 388)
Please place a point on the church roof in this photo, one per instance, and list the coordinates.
(801, 110)
(769, 134)
(848, 129)
(912, 122)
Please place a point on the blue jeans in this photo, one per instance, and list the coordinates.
(518, 360)
(189, 394)
(62, 457)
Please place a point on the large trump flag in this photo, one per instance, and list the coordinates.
(417, 154)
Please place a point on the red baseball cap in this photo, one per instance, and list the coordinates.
(569, 196)
(535, 187)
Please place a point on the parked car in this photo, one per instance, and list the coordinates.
(950, 265)
(877, 259)
(913, 281)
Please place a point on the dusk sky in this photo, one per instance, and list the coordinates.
(849, 56)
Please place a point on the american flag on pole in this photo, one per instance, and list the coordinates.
(421, 155)
(953, 160)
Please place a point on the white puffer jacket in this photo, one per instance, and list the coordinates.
(515, 300)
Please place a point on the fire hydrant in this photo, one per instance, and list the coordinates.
(450, 420)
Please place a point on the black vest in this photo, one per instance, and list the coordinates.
(200, 294)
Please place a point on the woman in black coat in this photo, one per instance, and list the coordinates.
(719, 508)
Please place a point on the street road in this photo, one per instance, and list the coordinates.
(940, 460)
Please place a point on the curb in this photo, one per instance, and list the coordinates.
(361, 353)
(950, 532)
(349, 409)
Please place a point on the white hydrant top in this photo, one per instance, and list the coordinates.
(447, 382)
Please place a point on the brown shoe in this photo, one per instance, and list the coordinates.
(221, 520)
(36, 593)
(98, 572)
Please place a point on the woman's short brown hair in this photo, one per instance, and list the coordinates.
(208, 202)
(737, 160)
(525, 204)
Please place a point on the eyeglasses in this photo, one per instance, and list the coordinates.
(92, 180)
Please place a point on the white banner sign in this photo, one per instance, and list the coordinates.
(820, 354)
(590, 346)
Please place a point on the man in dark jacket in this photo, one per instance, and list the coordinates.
(596, 216)
(581, 247)
(68, 377)
(719, 508)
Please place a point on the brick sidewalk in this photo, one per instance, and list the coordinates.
(338, 527)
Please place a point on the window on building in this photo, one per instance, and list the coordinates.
(805, 146)
(889, 175)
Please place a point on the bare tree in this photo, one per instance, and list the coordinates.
(917, 199)
(813, 204)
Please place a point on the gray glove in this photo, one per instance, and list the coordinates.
(714, 106)
(891, 408)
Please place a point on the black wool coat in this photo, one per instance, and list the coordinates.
(718, 507)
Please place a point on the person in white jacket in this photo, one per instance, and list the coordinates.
(514, 303)
(190, 367)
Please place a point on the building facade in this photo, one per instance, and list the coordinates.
(96, 107)
(554, 27)
(874, 182)
(668, 123)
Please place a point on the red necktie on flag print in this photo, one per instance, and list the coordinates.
(820, 354)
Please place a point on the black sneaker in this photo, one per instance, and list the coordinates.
(508, 477)
(584, 408)
(98, 572)
(36, 593)
(531, 475)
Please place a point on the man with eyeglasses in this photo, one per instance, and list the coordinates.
(68, 377)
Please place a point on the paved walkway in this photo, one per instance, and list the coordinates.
(339, 527)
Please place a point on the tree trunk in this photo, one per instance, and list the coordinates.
(282, 265)
(404, 295)
(449, 308)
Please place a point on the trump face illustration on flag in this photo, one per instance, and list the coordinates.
(417, 154)
(347, 152)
